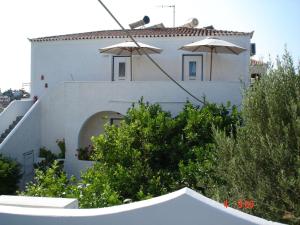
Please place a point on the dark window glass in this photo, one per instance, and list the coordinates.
(121, 69)
(192, 68)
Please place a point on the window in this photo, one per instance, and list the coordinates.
(121, 69)
(116, 121)
(192, 69)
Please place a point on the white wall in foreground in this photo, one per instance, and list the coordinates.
(183, 207)
(38, 202)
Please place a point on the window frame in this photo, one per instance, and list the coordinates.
(113, 78)
(182, 65)
(113, 119)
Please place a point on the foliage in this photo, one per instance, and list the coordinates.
(50, 157)
(94, 191)
(263, 161)
(52, 182)
(85, 153)
(152, 153)
(16, 94)
(149, 154)
(62, 146)
(10, 174)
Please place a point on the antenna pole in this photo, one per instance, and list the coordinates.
(170, 6)
(173, 15)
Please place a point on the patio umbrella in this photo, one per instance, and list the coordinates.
(130, 48)
(213, 45)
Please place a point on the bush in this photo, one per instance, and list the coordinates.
(262, 163)
(152, 153)
(52, 182)
(149, 154)
(85, 153)
(50, 157)
(10, 175)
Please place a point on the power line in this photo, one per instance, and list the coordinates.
(148, 56)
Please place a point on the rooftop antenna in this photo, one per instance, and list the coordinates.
(170, 6)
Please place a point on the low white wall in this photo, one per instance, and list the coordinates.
(25, 136)
(183, 207)
(38, 202)
(14, 109)
(62, 112)
(83, 99)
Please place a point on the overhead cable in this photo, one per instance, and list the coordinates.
(148, 56)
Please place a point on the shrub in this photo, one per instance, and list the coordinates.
(152, 153)
(85, 153)
(262, 163)
(50, 157)
(62, 146)
(52, 182)
(10, 175)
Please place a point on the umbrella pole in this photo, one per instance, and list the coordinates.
(211, 53)
(131, 67)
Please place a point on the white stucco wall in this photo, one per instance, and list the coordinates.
(53, 115)
(25, 136)
(95, 126)
(65, 109)
(14, 109)
(62, 112)
(181, 207)
(80, 60)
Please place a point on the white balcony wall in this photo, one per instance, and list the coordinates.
(65, 109)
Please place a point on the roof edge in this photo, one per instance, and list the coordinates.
(147, 32)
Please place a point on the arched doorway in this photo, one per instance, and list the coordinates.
(94, 126)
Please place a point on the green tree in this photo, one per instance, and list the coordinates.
(16, 94)
(263, 161)
(152, 153)
(10, 174)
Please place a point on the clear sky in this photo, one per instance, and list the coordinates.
(275, 22)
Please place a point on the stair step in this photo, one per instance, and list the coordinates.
(2, 136)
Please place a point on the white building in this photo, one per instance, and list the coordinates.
(78, 89)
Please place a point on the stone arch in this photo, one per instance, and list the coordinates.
(94, 126)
